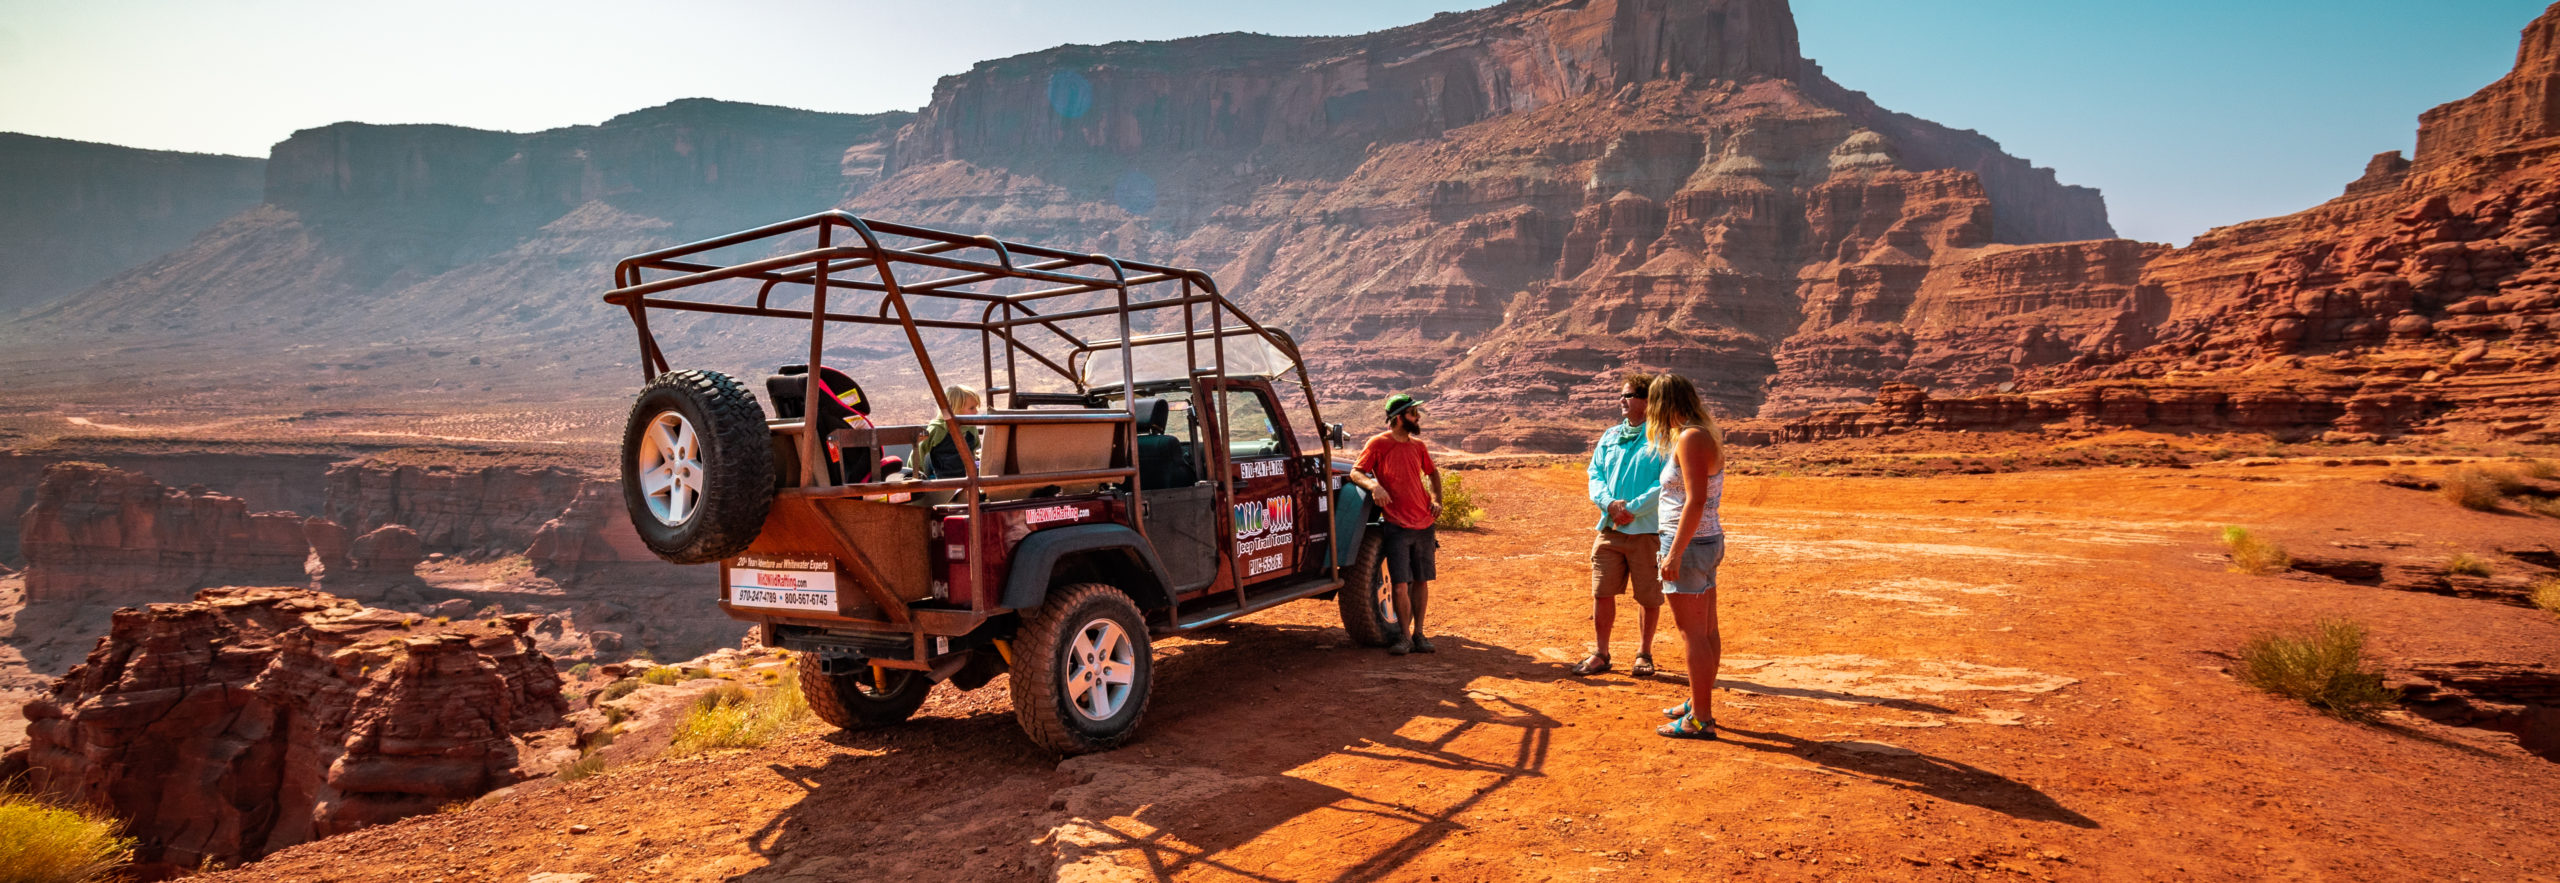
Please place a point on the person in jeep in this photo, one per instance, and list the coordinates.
(1391, 468)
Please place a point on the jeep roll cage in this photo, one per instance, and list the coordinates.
(859, 271)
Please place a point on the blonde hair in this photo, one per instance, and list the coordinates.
(1672, 404)
(956, 393)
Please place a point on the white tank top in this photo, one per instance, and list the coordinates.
(1675, 497)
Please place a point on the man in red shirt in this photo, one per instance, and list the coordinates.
(1391, 469)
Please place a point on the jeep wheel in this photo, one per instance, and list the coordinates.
(1368, 610)
(862, 698)
(1082, 668)
(697, 466)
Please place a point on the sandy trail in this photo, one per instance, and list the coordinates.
(1940, 678)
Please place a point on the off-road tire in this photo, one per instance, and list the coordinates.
(736, 458)
(1369, 626)
(852, 701)
(1040, 697)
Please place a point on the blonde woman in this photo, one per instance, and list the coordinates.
(1677, 424)
(937, 452)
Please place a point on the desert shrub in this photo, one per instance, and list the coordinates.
(2546, 508)
(1460, 505)
(734, 717)
(2324, 666)
(2472, 487)
(2466, 564)
(617, 690)
(2546, 595)
(580, 670)
(2251, 553)
(586, 766)
(444, 620)
(2540, 468)
(615, 714)
(664, 674)
(43, 843)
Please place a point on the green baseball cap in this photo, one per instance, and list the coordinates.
(1400, 403)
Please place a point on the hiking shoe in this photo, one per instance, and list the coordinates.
(1399, 648)
(1423, 645)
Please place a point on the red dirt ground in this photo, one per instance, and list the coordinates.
(1929, 678)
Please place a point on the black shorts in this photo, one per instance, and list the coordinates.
(1412, 555)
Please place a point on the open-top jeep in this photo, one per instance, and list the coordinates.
(1157, 464)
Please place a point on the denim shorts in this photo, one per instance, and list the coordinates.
(1697, 566)
(1411, 553)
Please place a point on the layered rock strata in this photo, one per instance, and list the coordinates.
(2426, 298)
(79, 212)
(99, 532)
(251, 719)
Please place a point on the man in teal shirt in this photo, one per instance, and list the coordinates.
(1626, 484)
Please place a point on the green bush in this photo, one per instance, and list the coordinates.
(43, 843)
(580, 670)
(2466, 564)
(617, 690)
(2324, 666)
(2251, 553)
(1460, 505)
(663, 675)
(2546, 595)
(2472, 487)
(734, 717)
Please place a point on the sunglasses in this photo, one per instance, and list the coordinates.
(1631, 395)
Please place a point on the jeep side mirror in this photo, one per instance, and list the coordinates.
(1334, 433)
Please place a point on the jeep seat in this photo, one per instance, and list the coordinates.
(1161, 461)
(844, 402)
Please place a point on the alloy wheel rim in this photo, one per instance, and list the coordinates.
(1102, 670)
(670, 468)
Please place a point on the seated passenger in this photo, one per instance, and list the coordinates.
(938, 452)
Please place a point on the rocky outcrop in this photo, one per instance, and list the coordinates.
(2426, 299)
(79, 212)
(460, 508)
(96, 532)
(593, 533)
(253, 719)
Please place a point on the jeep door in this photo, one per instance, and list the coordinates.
(1265, 517)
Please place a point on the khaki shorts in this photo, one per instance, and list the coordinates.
(1618, 559)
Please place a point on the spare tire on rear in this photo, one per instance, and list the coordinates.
(697, 466)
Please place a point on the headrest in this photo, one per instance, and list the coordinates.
(1152, 414)
(841, 385)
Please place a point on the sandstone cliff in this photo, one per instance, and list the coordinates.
(2425, 298)
(251, 719)
(79, 212)
(1501, 205)
(99, 533)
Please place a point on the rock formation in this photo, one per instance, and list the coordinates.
(462, 508)
(79, 212)
(252, 719)
(2425, 299)
(99, 532)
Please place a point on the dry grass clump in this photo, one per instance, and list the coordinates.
(2546, 595)
(1460, 506)
(43, 843)
(2472, 487)
(733, 716)
(2466, 564)
(617, 690)
(2324, 666)
(586, 766)
(2254, 554)
(664, 675)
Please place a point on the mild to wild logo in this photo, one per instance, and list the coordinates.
(1277, 515)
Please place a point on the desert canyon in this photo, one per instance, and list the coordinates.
(309, 502)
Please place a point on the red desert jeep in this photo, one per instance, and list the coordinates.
(1158, 465)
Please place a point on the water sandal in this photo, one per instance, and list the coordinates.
(1644, 666)
(1676, 711)
(1687, 727)
(1596, 664)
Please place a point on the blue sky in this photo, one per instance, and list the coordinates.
(2188, 114)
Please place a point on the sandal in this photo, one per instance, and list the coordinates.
(1596, 664)
(1687, 727)
(1677, 711)
(1643, 667)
